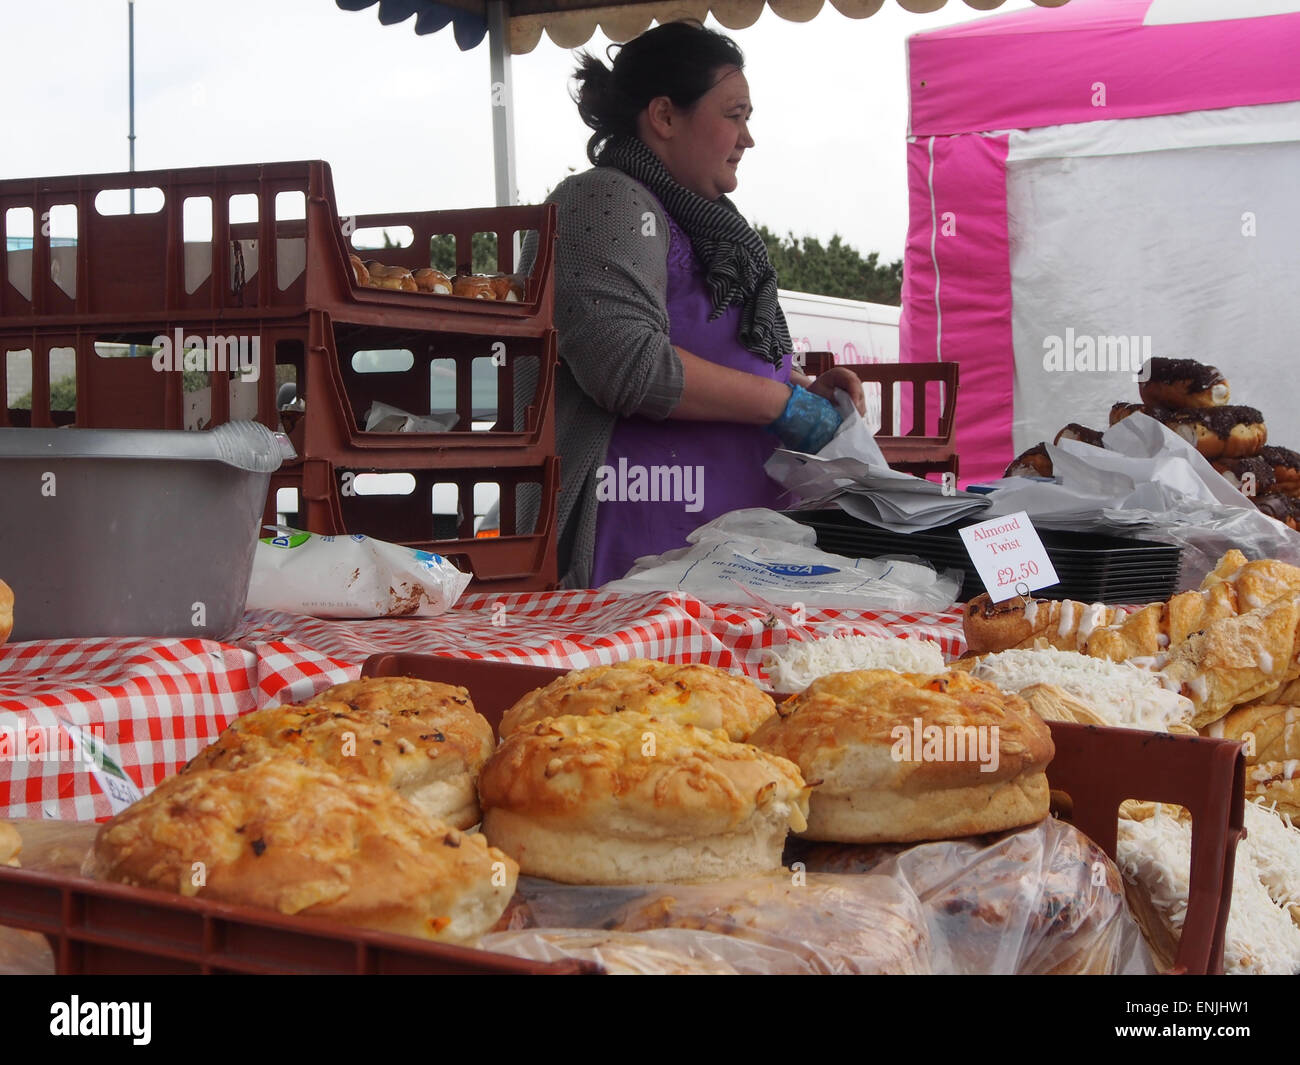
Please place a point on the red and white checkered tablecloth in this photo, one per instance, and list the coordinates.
(157, 703)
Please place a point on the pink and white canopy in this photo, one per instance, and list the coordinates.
(1095, 183)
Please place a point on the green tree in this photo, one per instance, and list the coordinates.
(63, 396)
(834, 269)
(442, 253)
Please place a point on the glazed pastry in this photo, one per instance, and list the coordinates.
(1032, 463)
(1220, 432)
(1234, 660)
(507, 288)
(1120, 411)
(1234, 470)
(1075, 431)
(474, 286)
(431, 280)
(1182, 384)
(1286, 468)
(1283, 508)
(359, 271)
(1019, 622)
(1235, 587)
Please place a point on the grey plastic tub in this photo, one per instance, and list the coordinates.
(123, 532)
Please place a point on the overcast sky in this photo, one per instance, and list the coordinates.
(405, 121)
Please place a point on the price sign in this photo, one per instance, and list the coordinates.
(1009, 556)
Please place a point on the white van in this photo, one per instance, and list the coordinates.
(851, 330)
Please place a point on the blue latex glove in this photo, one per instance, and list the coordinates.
(807, 423)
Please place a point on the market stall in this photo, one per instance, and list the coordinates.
(328, 740)
(131, 716)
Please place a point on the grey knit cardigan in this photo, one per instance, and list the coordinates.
(611, 297)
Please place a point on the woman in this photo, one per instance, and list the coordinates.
(675, 383)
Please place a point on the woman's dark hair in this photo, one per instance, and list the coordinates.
(678, 60)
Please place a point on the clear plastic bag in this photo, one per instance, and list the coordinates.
(1039, 900)
(804, 923)
(776, 557)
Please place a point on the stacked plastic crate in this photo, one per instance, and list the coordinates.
(175, 316)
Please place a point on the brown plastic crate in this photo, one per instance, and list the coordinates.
(121, 392)
(111, 929)
(127, 267)
(1097, 768)
(508, 562)
(337, 396)
(929, 445)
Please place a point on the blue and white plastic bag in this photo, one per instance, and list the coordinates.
(350, 577)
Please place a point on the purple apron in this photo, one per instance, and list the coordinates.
(667, 478)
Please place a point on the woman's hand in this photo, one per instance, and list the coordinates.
(825, 384)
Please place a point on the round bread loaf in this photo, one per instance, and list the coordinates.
(896, 757)
(629, 798)
(6, 612)
(290, 835)
(422, 738)
(10, 844)
(694, 694)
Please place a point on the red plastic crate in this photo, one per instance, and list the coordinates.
(508, 562)
(337, 396)
(1096, 768)
(128, 267)
(129, 393)
(112, 929)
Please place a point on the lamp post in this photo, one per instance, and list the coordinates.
(130, 80)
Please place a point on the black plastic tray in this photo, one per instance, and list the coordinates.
(1095, 567)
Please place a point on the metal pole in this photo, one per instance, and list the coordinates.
(503, 109)
(130, 22)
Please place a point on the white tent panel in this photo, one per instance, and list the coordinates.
(1190, 252)
(1168, 12)
(1262, 124)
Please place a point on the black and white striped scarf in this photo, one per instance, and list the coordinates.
(733, 255)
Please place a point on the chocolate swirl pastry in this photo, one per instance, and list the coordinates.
(1220, 432)
(1286, 468)
(1183, 384)
(1120, 411)
(1075, 431)
(1235, 471)
(1285, 509)
(1032, 463)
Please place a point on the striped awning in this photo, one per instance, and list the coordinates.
(572, 23)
